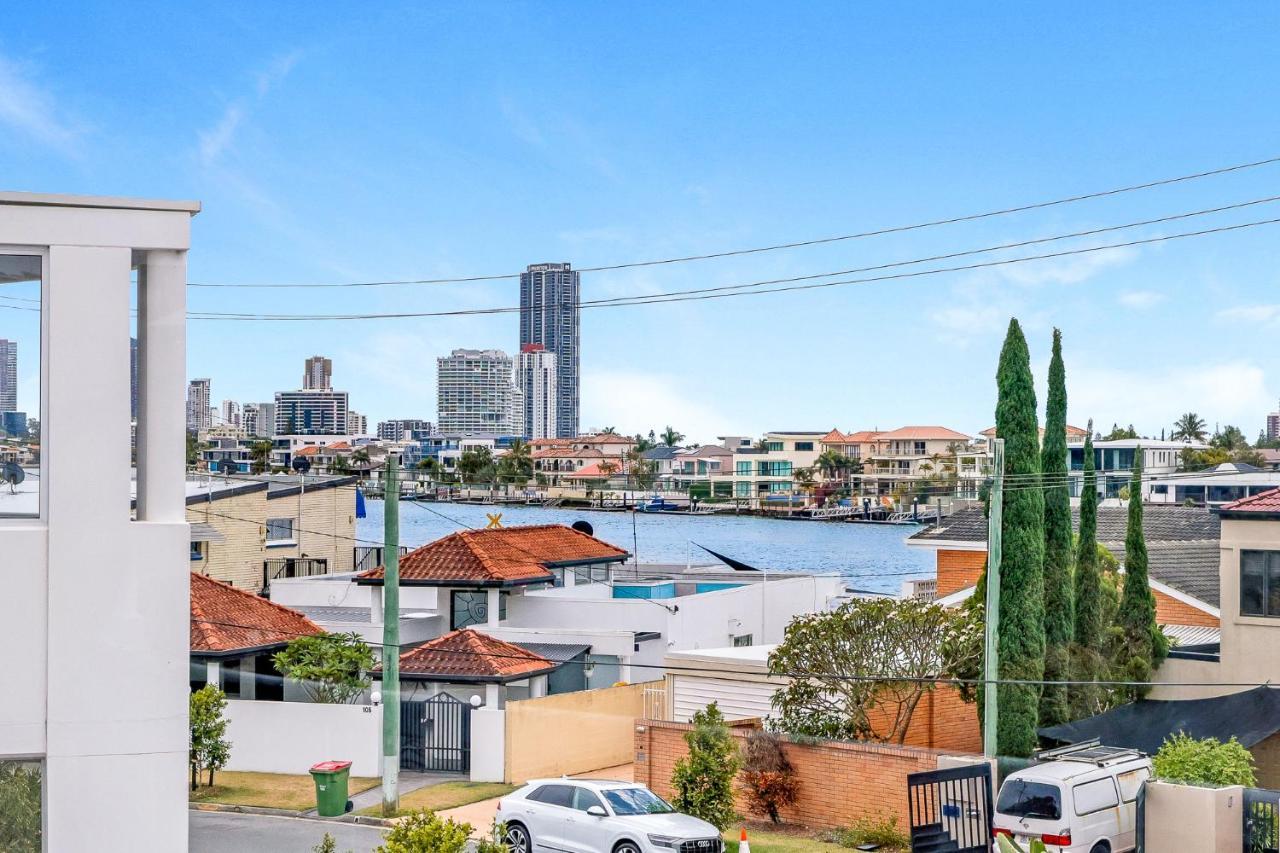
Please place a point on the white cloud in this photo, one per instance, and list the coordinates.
(1140, 300)
(633, 402)
(217, 139)
(1072, 269)
(33, 110)
(276, 71)
(1255, 314)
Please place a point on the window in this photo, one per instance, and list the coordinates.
(804, 445)
(599, 574)
(919, 448)
(584, 799)
(230, 675)
(197, 550)
(557, 577)
(741, 640)
(279, 531)
(1095, 796)
(773, 446)
(554, 795)
(636, 801)
(20, 386)
(743, 469)
(1020, 798)
(22, 794)
(1131, 783)
(1260, 583)
(472, 608)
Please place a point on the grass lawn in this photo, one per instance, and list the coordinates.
(446, 795)
(763, 841)
(268, 790)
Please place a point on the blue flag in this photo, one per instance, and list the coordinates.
(359, 503)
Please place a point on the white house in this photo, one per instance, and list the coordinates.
(84, 583)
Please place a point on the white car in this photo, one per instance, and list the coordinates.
(594, 816)
(1082, 800)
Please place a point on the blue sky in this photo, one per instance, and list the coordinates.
(449, 139)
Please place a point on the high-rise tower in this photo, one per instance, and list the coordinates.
(549, 295)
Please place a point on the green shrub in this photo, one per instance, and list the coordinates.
(20, 821)
(703, 779)
(768, 779)
(881, 829)
(424, 832)
(1186, 760)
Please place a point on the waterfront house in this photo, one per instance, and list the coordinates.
(895, 461)
(765, 472)
(468, 663)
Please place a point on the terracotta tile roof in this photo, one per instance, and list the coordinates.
(501, 557)
(1072, 432)
(861, 436)
(473, 656)
(606, 438)
(594, 472)
(835, 437)
(226, 619)
(922, 433)
(566, 453)
(1267, 503)
(306, 451)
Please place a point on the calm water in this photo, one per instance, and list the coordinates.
(873, 557)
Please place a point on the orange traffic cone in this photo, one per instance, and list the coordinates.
(744, 846)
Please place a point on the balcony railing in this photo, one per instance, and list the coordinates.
(292, 567)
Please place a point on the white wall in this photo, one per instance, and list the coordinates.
(317, 592)
(488, 745)
(289, 737)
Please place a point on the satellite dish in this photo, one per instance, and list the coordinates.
(584, 527)
(12, 474)
(301, 464)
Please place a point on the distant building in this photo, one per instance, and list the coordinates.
(318, 374)
(199, 415)
(537, 379)
(249, 418)
(13, 424)
(231, 414)
(1114, 458)
(549, 316)
(133, 378)
(404, 429)
(357, 423)
(476, 393)
(8, 375)
(266, 420)
(311, 412)
(1273, 426)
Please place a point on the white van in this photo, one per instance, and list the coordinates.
(1081, 799)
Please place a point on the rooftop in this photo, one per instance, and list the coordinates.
(1265, 505)
(226, 620)
(922, 433)
(469, 655)
(1161, 523)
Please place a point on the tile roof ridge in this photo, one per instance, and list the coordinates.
(256, 598)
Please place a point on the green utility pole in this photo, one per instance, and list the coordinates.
(391, 639)
(991, 671)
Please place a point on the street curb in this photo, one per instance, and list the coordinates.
(363, 820)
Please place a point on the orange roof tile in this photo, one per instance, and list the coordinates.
(1267, 503)
(504, 556)
(835, 437)
(594, 472)
(470, 655)
(225, 619)
(566, 453)
(922, 433)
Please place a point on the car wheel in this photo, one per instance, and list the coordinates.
(1101, 847)
(518, 838)
(627, 847)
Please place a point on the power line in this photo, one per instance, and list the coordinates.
(798, 244)
(690, 296)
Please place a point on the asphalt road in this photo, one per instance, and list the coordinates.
(228, 832)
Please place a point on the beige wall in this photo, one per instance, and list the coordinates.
(572, 732)
(1181, 818)
(1250, 644)
(1179, 672)
(242, 519)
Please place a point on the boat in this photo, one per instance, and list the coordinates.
(657, 503)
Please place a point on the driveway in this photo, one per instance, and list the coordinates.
(229, 832)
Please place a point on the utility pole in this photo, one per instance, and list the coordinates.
(991, 671)
(391, 640)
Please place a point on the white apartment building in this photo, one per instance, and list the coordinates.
(199, 413)
(8, 375)
(231, 414)
(1113, 461)
(536, 379)
(85, 583)
(895, 460)
(476, 393)
(318, 374)
(766, 471)
(311, 412)
(403, 429)
(357, 423)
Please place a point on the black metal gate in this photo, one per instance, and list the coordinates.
(435, 735)
(951, 809)
(1261, 821)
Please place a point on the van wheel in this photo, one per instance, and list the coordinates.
(1101, 847)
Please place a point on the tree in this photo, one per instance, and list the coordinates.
(340, 465)
(20, 817)
(837, 650)
(1058, 603)
(703, 779)
(431, 466)
(516, 466)
(1118, 432)
(768, 779)
(361, 456)
(1230, 438)
(210, 750)
(1139, 645)
(609, 431)
(672, 438)
(1021, 640)
(1208, 762)
(260, 456)
(1088, 632)
(644, 443)
(193, 450)
(1189, 427)
(426, 832)
(609, 468)
(804, 479)
(334, 668)
(475, 463)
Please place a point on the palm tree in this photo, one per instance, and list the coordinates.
(361, 457)
(831, 462)
(643, 444)
(609, 431)
(260, 453)
(340, 465)
(671, 438)
(1189, 427)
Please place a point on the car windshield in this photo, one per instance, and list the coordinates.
(635, 801)
(1021, 798)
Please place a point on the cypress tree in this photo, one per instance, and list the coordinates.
(1088, 633)
(1058, 604)
(1140, 645)
(1021, 641)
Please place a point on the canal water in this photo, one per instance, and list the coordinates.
(871, 556)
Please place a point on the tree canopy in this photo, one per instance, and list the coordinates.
(1189, 427)
(1058, 592)
(333, 668)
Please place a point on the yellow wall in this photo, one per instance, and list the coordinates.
(242, 520)
(572, 732)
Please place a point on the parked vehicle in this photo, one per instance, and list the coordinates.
(595, 816)
(1079, 799)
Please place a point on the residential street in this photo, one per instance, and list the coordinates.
(229, 832)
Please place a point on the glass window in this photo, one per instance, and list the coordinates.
(554, 795)
(472, 608)
(584, 799)
(19, 385)
(1260, 583)
(804, 445)
(1021, 798)
(743, 469)
(21, 802)
(279, 529)
(599, 574)
(773, 446)
(636, 801)
(230, 674)
(197, 550)
(742, 640)
(1095, 796)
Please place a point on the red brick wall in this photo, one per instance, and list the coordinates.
(839, 782)
(959, 569)
(1170, 611)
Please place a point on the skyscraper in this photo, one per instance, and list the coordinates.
(133, 378)
(311, 412)
(8, 375)
(403, 429)
(549, 317)
(231, 414)
(199, 417)
(1273, 426)
(318, 374)
(357, 424)
(536, 378)
(476, 393)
